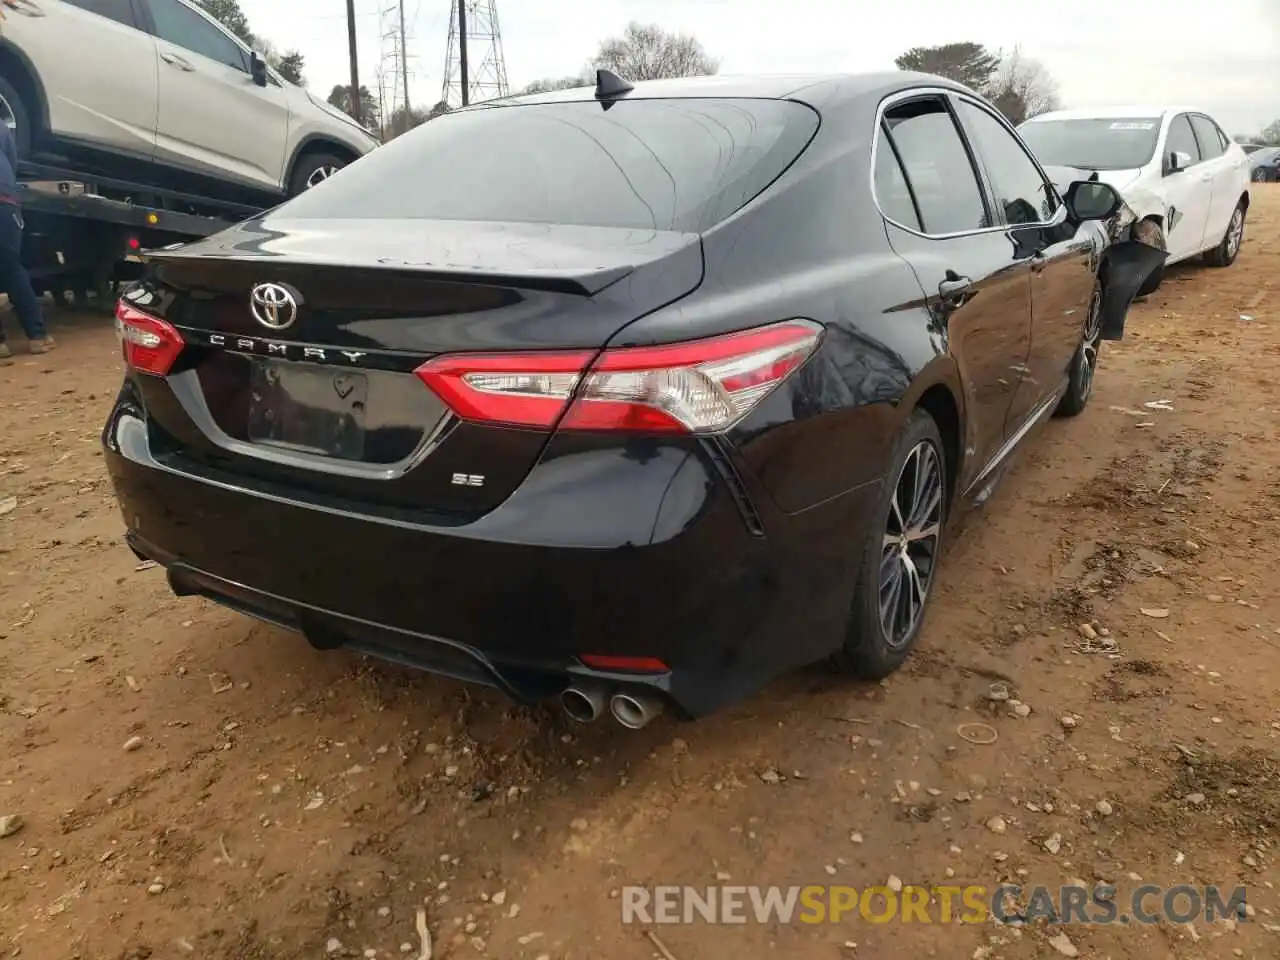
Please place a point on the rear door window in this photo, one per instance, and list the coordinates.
(937, 166)
(682, 164)
(118, 10)
(1208, 136)
(184, 27)
(892, 191)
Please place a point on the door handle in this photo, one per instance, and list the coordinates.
(954, 290)
(176, 61)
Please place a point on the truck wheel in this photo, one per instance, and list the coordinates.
(14, 113)
(313, 169)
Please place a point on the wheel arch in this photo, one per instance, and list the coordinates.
(17, 68)
(937, 391)
(313, 144)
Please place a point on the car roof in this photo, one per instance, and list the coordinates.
(1113, 112)
(810, 88)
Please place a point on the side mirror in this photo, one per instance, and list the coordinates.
(258, 69)
(1179, 161)
(1092, 200)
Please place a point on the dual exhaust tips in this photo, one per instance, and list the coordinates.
(631, 710)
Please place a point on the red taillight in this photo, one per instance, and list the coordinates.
(702, 386)
(149, 344)
(600, 661)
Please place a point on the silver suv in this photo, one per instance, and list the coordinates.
(161, 82)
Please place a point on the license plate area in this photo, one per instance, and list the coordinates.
(308, 408)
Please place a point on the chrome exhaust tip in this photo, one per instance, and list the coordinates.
(582, 705)
(634, 711)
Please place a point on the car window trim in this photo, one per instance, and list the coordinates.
(984, 188)
(246, 54)
(925, 93)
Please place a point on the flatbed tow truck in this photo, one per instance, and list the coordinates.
(85, 233)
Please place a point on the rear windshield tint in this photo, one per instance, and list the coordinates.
(680, 164)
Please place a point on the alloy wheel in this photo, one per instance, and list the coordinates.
(1092, 343)
(912, 536)
(320, 175)
(1235, 233)
(7, 115)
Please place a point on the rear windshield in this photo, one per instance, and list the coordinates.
(1113, 143)
(680, 164)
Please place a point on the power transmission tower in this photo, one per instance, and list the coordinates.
(396, 67)
(474, 66)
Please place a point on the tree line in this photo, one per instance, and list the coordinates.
(1019, 86)
(1269, 137)
(288, 64)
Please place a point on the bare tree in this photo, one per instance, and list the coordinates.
(647, 52)
(439, 110)
(1022, 88)
(969, 63)
(1271, 134)
(557, 83)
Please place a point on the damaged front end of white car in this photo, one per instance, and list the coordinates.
(1127, 258)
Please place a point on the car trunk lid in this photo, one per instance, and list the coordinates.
(302, 338)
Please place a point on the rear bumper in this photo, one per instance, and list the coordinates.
(600, 551)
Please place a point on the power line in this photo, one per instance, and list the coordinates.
(475, 68)
(394, 70)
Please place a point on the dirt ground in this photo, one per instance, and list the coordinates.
(192, 783)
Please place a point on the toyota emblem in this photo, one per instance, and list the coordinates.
(274, 305)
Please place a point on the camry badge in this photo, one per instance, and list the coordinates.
(274, 305)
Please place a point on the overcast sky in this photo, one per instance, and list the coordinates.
(1135, 51)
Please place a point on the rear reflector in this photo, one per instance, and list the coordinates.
(149, 344)
(702, 386)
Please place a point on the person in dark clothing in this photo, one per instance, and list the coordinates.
(13, 275)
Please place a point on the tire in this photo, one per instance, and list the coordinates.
(1225, 253)
(1151, 233)
(313, 168)
(1084, 365)
(869, 652)
(12, 104)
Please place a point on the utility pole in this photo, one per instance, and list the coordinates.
(404, 62)
(357, 111)
(462, 50)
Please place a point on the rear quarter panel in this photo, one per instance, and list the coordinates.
(813, 245)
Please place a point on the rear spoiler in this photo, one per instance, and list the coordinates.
(581, 283)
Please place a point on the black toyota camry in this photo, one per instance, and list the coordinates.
(634, 396)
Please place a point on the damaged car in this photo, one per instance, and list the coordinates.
(1187, 181)
(630, 397)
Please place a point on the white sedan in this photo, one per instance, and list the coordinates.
(1183, 176)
